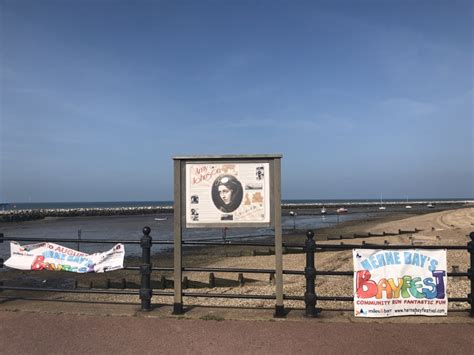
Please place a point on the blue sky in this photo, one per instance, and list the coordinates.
(362, 98)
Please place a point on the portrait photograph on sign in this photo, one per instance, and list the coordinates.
(227, 193)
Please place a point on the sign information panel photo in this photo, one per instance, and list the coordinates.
(227, 193)
(391, 283)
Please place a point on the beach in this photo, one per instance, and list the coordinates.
(448, 227)
(439, 228)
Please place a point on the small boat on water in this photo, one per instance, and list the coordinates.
(341, 210)
(382, 207)
(323, 210)
(430, 205)
(161, 219)
(407, 205)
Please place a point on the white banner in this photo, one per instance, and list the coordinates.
(50, 256)
(227, 193)
(391, 283)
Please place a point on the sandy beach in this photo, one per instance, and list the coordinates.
(449, 227)
(440, 228)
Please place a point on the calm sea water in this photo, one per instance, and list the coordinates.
(130, 228)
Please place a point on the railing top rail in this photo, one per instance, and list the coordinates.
(382, 246)
(68, 240)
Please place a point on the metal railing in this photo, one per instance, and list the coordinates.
(146, 268)
(311, 248)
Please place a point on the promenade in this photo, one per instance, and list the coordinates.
(123, 330)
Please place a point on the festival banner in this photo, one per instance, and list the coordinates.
(51, 256)
(390, 283)
(227, 193)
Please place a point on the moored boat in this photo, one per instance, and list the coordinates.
(382, 207)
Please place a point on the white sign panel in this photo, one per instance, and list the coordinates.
(227, 193)
(391, 283)
(51, 256)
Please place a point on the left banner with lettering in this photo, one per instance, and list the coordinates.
(51, 256)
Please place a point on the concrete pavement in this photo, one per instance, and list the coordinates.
(58, 327)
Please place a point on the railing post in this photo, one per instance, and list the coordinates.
(310, 275)
(145, 270)
(470, 249)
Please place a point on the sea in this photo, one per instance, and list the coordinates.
(129, 227)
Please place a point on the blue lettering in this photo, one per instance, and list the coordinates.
(397, 257)
(389, 258)
(48, 254)
(423, 259)
(366, 265)
(407, 257)
(416, 259)
(381, 260)
(439, 277)
(429, 293)
(433, 265)
(373, 261)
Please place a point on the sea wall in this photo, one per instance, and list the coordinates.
(15, 215)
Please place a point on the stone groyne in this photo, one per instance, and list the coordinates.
(33, 214)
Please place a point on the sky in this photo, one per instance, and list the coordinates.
(362, 98)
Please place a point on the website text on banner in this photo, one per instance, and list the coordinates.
(391, 283)
(51, 256)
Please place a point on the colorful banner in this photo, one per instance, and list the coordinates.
(227, 193)
(390, 283)
(50, 256)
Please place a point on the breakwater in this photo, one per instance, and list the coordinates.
(15, 215)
